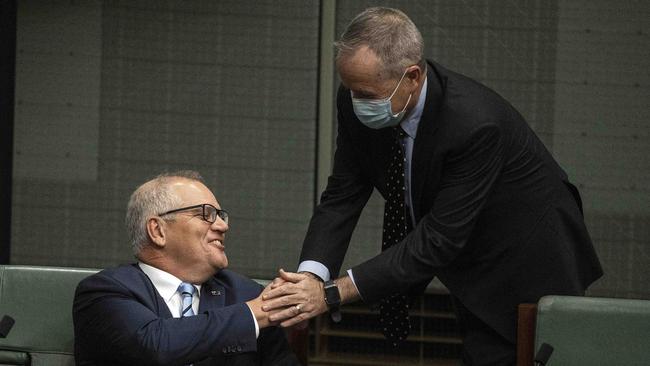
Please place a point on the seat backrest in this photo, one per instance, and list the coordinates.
(40, 301)
(594, 331)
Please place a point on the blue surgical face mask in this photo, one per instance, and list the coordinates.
(377, 113)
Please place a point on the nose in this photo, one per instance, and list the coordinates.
(219, 225)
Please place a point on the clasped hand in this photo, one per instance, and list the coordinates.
(293, 298)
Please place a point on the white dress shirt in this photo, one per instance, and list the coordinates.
(167, 286)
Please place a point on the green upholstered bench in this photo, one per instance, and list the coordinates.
(40, 301)
(594, 331)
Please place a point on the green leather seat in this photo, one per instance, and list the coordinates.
(594, 331)
(40, 301)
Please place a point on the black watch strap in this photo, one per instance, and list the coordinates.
(333, 300)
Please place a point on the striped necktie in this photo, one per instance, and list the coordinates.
(187, 291)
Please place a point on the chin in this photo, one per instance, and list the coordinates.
(221, 263)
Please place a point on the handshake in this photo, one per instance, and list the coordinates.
(290, 299)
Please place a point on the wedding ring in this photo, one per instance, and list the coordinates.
(298, 308)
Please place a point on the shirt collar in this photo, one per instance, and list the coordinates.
(165, 283)
(410, 124)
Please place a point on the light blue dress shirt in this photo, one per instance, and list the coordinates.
(410, 126)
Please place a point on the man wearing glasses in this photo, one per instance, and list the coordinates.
(178, 305)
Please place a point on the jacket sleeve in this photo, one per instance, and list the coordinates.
(335, 218)
(113, 323)
(469, 174)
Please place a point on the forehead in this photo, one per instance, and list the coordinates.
(193, 192)
(360, 71)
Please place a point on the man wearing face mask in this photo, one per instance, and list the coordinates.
(472, 197)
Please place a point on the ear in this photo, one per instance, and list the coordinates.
(414, 75)
(156, 231)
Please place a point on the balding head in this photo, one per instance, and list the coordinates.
(151, 199)
(389, 34)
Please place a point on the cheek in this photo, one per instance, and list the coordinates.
(404, 96)
(397, 104)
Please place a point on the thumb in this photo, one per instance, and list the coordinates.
(290, 276)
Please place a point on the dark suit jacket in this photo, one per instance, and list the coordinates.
(497, 220)
(120, 319)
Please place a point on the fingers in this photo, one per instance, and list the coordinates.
(290, 283)
(292, 277)
(277, 282)
(283, 290)
(293, 314)
(283, 302)
(300, 319)
(286, 277)
(293, 298)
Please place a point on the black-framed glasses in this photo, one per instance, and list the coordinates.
(209, 213)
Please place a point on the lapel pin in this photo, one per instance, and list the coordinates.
(215, 293)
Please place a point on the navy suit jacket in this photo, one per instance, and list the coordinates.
(120, 319)
(496, 218)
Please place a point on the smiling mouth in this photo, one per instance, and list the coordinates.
(218, 244)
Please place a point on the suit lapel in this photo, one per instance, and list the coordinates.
(213, 296)
(424, 147)
(157, 301)
(163, 309)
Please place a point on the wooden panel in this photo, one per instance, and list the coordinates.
(526, 334)
(298, 339)
(434, 340)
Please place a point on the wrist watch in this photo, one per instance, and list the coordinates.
(333, 300)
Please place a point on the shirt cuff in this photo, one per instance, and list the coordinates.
(316, 268)
(257, 327)
(354, 283)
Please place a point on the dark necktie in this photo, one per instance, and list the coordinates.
(393, 311)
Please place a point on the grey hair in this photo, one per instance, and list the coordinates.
(390, 34)
(151, 199)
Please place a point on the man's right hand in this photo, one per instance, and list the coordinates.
(262, 316)
(296, 297)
